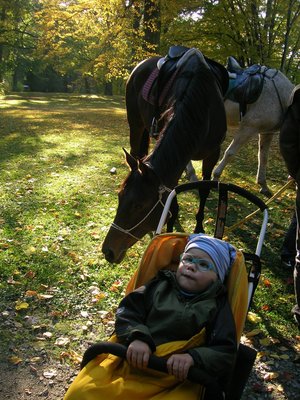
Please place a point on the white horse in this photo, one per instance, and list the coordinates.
(263, 117)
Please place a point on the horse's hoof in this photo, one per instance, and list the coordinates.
(266, 192)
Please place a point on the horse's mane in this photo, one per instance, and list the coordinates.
(188, 119)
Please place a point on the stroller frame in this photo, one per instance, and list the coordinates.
(245, 355)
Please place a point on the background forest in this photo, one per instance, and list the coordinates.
(91, 46)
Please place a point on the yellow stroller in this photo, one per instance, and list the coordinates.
(163, 251)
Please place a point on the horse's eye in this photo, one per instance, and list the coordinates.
(137, 207)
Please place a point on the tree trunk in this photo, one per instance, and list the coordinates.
(108, 89)
(286, 38)
(152, 25)
(2, 19)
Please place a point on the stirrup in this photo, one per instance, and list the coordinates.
(154, 129)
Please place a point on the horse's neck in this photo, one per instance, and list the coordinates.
(168, 165)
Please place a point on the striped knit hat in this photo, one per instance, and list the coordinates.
(221, 252)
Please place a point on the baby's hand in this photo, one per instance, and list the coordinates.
(138, 353)
(179, 365)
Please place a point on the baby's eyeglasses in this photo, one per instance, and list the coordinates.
(200, 263)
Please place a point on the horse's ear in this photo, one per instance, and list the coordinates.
(131, 161)
(143, 168)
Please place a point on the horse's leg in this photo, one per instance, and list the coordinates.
(207, 166)
(174, 209)
(139, 139)
(191, 173)
(144, 144)
(242, 135)
(264, 144)
(138, 134)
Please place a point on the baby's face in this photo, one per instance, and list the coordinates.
(196, 271)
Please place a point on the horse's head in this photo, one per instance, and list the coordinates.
(138, 212)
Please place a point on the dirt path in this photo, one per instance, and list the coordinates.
(275, 376)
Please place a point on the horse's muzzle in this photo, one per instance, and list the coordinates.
(111, 257)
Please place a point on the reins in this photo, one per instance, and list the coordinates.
(161, 190)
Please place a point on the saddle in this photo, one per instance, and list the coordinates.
(161, 78)
(160, 81)
(245, 85)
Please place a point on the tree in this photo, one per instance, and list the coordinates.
(254, 31)
(92, 43)
(291, 39)
(17, 37)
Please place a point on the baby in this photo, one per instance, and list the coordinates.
(175, 306)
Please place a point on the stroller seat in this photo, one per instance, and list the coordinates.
(118, 379)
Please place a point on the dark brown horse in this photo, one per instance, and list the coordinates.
(191, 122)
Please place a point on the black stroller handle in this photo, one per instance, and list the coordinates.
(229, 187)
(195, 375)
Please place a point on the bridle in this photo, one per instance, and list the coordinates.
(161, 190)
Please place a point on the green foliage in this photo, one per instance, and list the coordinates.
(90, 44)
(253, 31)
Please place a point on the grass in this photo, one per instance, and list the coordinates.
(58, 198)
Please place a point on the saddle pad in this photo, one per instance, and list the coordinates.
(147, 88)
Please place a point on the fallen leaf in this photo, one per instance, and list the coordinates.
(116, 286)
(95, 235)
(35, 359)
(254, 332)
(15, 360)
(98, 297)
(252, 317)
(283, 348)
(30, 250)
(47, 335)
(29, 274)
(62, 341)
(21, 305)
(271, 375)
(274, 355)
(261, 354)
(44, 296)
(73, 256)
(265, 342)
(72, 355)
(51, 373)
(11, 281)
(284, 357)
(84, 314)
(30, 293)
(267, 283)
(280, 388)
